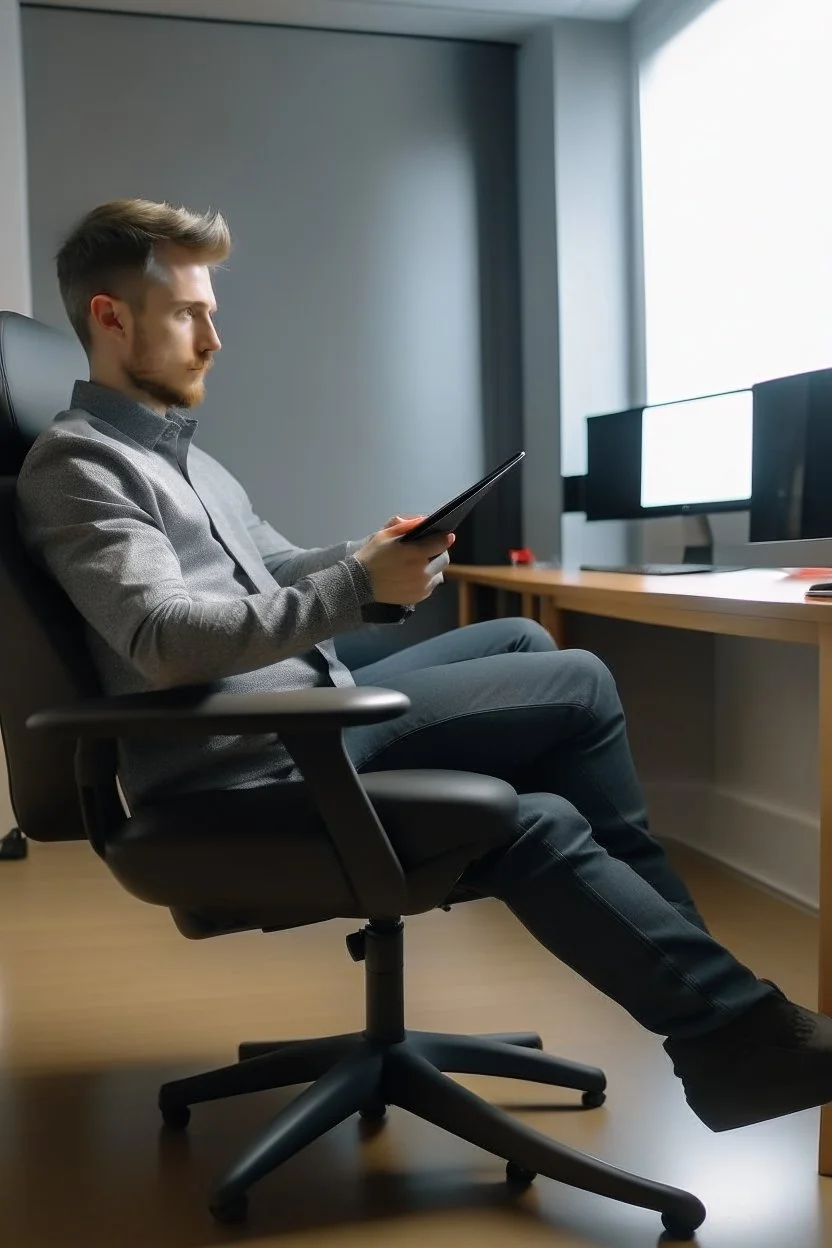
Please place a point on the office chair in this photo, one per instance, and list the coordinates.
(372, 848)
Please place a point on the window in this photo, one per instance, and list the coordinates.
(736, 149)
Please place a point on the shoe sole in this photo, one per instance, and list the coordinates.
(728, 1117)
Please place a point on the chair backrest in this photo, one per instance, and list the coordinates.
(43, 655)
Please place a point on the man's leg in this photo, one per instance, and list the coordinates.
(744, 1053)
(513, 635)
(590, 764)
(602, 919)
(498, 715)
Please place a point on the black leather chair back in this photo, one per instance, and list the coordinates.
(43, 655)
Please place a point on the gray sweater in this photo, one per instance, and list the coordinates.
(180, 583)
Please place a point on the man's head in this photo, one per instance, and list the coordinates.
(136, 284)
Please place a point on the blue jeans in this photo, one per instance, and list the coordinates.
(583, 874)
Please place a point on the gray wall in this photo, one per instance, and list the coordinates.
(539, 277)
(369, 310)
(15, 291)
(574, 90)
(594, 195)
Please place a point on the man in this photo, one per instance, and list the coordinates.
(180, 582)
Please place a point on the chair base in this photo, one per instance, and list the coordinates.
(385, 1065)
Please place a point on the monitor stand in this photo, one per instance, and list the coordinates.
(698, 537)
(698, 554)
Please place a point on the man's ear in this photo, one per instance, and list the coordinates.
(108, 314)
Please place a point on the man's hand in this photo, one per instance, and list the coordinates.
(404, 572)
(410, 520)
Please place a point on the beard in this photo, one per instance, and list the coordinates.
(143, 375)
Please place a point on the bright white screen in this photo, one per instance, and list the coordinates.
(697, 452)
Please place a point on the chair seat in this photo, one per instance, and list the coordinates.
(262, 858)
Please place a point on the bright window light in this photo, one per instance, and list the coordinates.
(737, 197)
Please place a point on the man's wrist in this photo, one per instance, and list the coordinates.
(361, 579)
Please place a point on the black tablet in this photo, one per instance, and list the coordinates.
(446, 518)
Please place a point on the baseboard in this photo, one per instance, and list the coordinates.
(775, 847)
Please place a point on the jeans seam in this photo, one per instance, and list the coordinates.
(597, 787)
(682, 975)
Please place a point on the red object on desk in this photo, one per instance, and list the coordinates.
(521, 555)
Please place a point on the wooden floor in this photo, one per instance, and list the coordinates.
(101, 999)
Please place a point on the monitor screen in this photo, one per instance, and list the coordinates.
(697, 452)
(792, 497)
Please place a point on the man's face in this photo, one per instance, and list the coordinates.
(172, 340)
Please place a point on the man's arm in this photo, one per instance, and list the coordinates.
(90, 517)
(288, 563)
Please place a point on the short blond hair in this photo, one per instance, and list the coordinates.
(116, 243)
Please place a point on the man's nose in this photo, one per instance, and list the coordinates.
(210, 339)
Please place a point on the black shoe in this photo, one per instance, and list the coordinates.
(774, 1059)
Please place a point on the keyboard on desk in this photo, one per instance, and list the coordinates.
(657, 569)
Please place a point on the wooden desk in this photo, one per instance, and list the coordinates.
(753, 603)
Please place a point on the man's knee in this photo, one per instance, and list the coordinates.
(550, 834)
(592, 681)
(526, 636)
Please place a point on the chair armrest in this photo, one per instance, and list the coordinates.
(196, 712)
(309, 722)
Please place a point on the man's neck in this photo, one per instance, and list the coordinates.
(101, 377)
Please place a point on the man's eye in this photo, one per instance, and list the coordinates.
(186, 313)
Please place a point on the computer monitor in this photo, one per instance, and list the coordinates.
(686, 458)
(792, 461)
(670, 459)
(612, 487)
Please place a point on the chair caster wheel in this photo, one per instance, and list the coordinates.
(229, 1212)
(593, 1100)
(519, 1178)
(676, 1230)
(175, 1117)
(14, 845)
(373, 1111)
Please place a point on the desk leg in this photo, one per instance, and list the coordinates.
(528, 607)
(465, 603)
(553, 620)
(825, 754)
